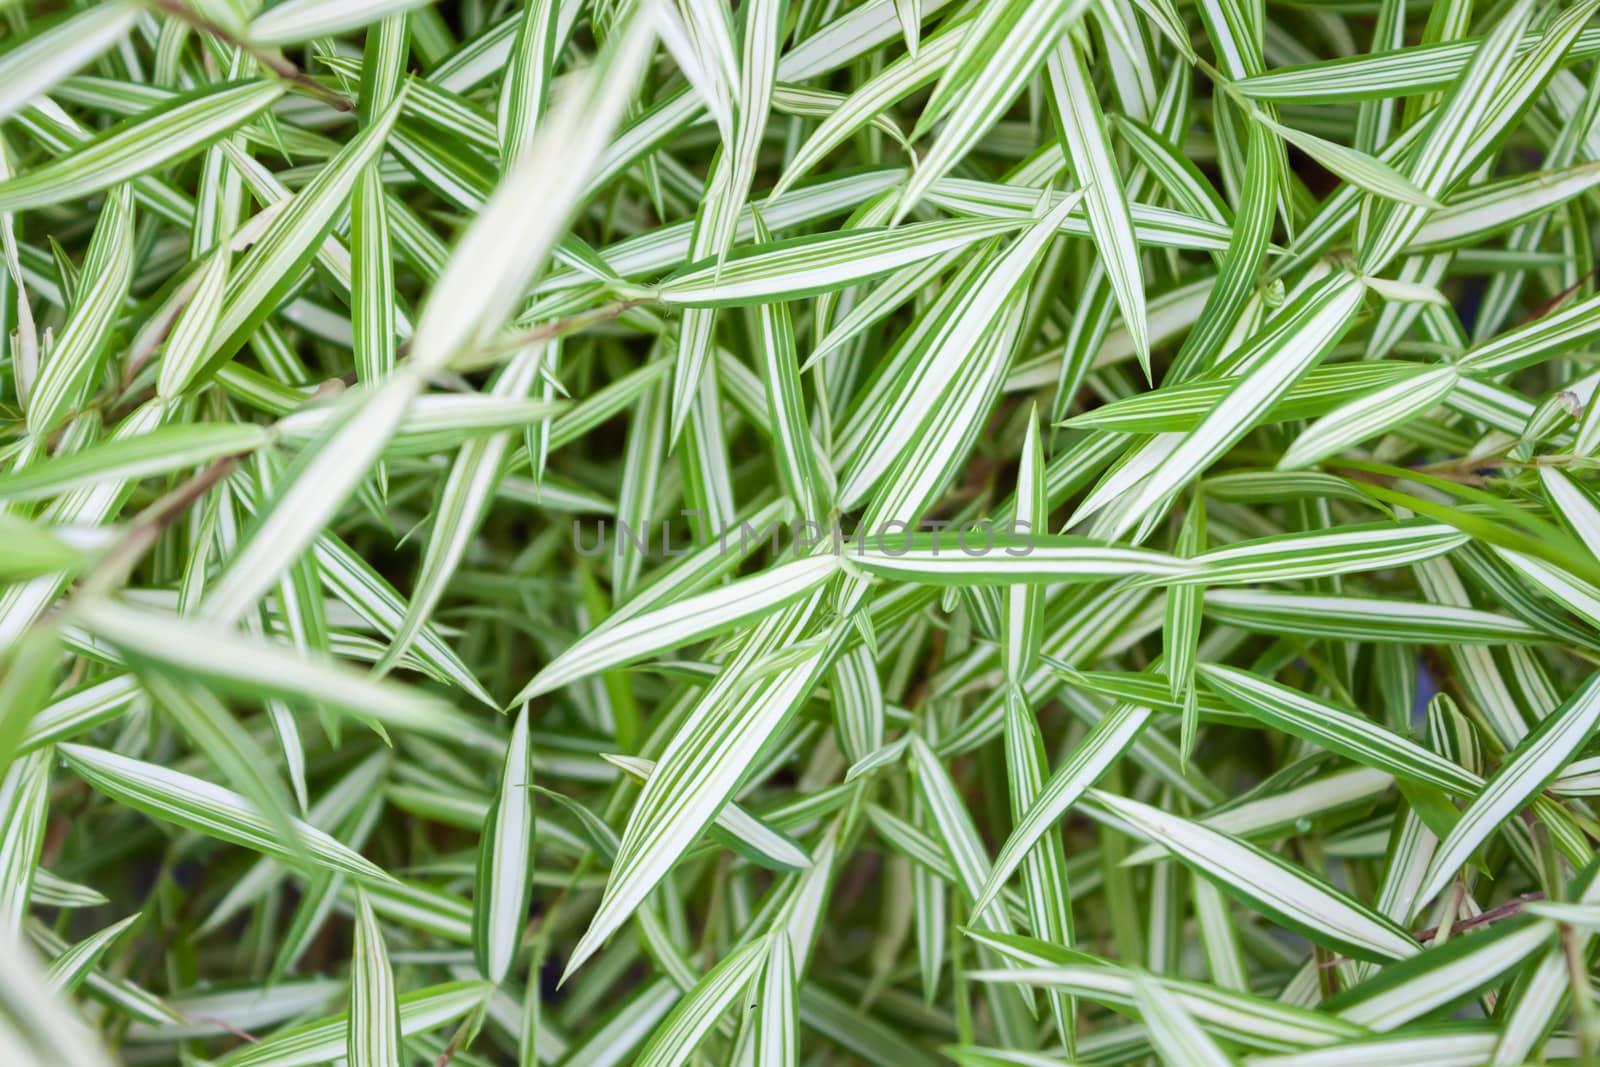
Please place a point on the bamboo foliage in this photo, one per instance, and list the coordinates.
(799, 532)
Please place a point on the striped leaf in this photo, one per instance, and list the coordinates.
(156, 138)
(46, 57)
(1263, 882)
(178, 798)
(374, 1027)
(690, 619)
(505, 860)
(807, 266)
(75, 360)
(1536, 759)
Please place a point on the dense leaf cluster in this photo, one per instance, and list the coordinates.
(1005, 532)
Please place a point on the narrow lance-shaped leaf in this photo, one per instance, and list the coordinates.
(255, 667)
(680, 1033)
(151, 140)
(66, 377)
(374, 1038)
(706, 759)
(799, 465)
(1575, 505)
(909, 12)
(208, 809)
(735, 827)
(37, 64)
(953, 827)
(24, 795)
(1353, 165)
(374, 325)
(1044, 876)
(896, 81)
(952, 343)
(982, 556)
(778, 1021)
(265, 274)
(1370, 619)
(68, 970)
(1341, 550)
(466, 493)
(1265, 883)
(1175, 1034)
(1537, 759)
(505, 860)
(325, 1041)
(1345, 732)
(1369, 416)
(212, 729)
(1088, 146)
(1102, 746)
(1230, 293)
(1240, 1018)
(167, 448)
(528, 77)
(1181, 407)
(1024, 602)
(189, 343)
(1447, 973)
(1448, 144)
(371, 280)
(689, 619)
(762, 38)
(1181, 629)
(805, 266)
(36, 1025)
(302, 20)
(1002, 52)
(508, 243)
(1274, 359)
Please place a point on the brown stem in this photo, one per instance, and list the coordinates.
(271, 59)
(1560, 298)
(456, 1040)
(1483, 918)
(143, 532)
(223, 1024)
(1499, 911)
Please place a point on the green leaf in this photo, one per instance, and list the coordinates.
(1336, 729)
(183, 800)
(505, 860)
(36, 1025)
(680, 1033)
(1263, 882)
(165, 449)
(66, 377)
(302, 20)
(1088, 145)
(1001, 53)
(688, 619)
(374, 1037)
(46, 57)
(1110, 737)
(154, 139)
(706, 759)
(1538, 758)
(807, 266)
(250, 666)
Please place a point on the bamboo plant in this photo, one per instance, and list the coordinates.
(799, 532)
